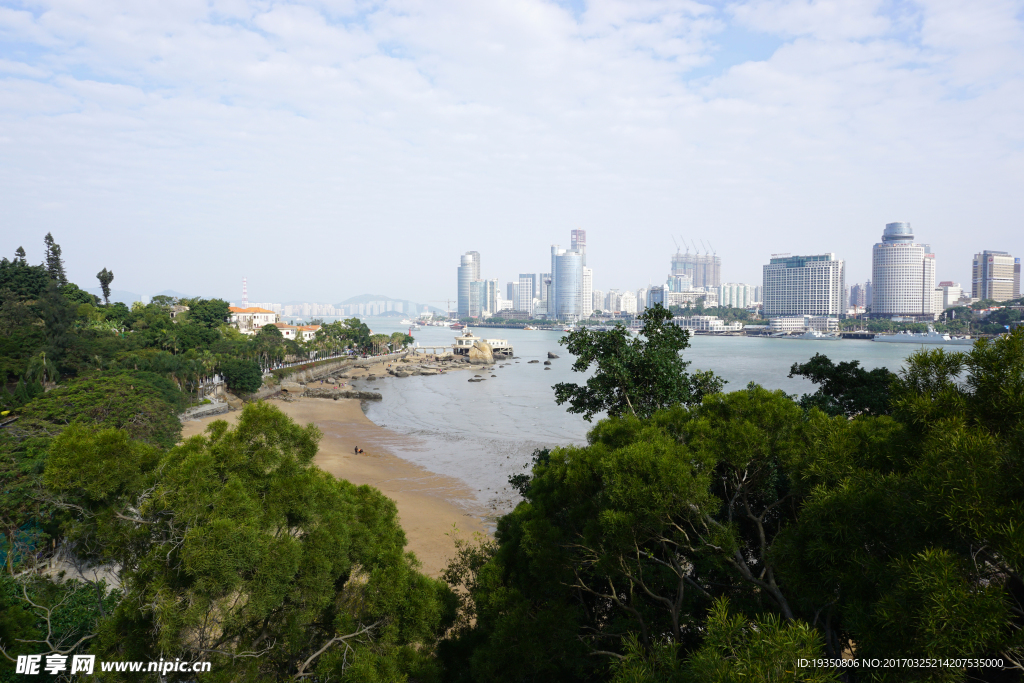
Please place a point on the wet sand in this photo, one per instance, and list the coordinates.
(428, 504)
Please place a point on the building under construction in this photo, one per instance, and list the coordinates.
(704, 270)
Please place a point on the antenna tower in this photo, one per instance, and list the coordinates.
(245, 294)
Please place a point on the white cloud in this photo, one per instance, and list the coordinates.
(207, 141)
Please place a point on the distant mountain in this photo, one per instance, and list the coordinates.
(127, 298)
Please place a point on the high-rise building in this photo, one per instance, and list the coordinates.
(587, 295)
(578, 242)
(641, 300)
(948, 295)
(568, 285)
(627, 303)
(804, 285)
(510, 292)
(526, 292)
(1016, 278)
(469, 270)
(597, 299)
(611, 301)
(902, 275)
(704, 270)
(735, 295)
(992, 276)
(859, 296)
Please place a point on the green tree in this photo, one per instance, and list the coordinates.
(846, 388)
(105, 277)
(208, 312)
(241, 552)
(19, 255)
(54, 262)
(636, 535)
(244, 376)
(635, 376)
(41, 369)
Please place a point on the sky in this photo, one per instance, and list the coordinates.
(326, 149)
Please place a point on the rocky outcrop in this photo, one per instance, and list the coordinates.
(292, 387)
(552, 355)
(481, 353)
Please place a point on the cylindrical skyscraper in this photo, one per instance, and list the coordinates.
(902, 275)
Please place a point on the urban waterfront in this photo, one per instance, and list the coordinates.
(480, 432)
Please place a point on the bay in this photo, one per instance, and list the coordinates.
(482, 432)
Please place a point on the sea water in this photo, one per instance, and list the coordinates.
(483, 432)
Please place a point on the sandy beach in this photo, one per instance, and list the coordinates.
(428, 504)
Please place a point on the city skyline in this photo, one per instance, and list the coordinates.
(313, 136)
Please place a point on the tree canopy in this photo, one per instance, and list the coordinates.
(638, 375)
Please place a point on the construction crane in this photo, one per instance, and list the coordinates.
(675, 243)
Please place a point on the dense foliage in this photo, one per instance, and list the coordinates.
(633, 375)
(238, 544)
(723, 542)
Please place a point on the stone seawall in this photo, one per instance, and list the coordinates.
(323, 370)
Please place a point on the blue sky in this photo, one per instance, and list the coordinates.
(330, 148)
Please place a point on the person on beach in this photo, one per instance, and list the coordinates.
(357, 450)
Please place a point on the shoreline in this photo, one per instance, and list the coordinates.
(429, 504)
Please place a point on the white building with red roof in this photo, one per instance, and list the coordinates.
(252, 320)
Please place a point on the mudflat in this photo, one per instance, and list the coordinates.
(429, 504)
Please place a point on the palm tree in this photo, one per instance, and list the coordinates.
(41, 369)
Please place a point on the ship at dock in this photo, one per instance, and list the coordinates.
(929, 337)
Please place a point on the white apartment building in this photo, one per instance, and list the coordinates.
(734, 295)
(804, 285)
(587, 296)
(641, 300)
(902, 275)
(627, 303)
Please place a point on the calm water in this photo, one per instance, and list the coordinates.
(481, 432)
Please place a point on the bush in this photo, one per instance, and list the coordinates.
(244, 376)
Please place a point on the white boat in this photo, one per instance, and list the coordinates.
(929, 337)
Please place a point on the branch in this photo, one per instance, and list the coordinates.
(337, 639)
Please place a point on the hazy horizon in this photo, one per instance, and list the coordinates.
(329, 149)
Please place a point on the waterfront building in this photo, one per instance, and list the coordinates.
(476, 298)
(902, 275)
(597, 300)
(469, 270)
(489, 295)
(526, 292)
(1016, 278)
(568, 285)
(510, 292)
(587, 293)
(735, 295)
(992, 276)
(759, 294)
(804, 323)
(858, 296)
(658, 295)
(804, 285)
(542, 290)
(627, 303)
(706, 323)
